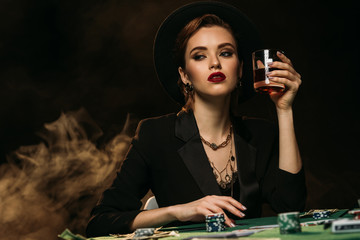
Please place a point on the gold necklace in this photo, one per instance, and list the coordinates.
(229, 179)
(215, 147)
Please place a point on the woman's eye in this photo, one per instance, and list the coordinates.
(198, 57)
(226, 54)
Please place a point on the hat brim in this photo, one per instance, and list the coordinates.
(248, 41)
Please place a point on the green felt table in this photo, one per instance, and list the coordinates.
(308, 232)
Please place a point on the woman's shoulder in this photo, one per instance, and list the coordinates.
(158, 120)
(155, 126)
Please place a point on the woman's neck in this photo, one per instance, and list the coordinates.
(213, 119)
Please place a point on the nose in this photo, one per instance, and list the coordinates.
(214, 63)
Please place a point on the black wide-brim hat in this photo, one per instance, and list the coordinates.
(248, 40)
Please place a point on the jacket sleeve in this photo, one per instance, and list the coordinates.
(121, 203)
(284, 191)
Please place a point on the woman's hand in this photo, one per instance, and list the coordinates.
(197, 210)
(287, 75)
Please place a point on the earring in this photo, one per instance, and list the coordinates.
(239, 83)
(188, 88)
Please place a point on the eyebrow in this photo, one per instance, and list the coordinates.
(220, 46)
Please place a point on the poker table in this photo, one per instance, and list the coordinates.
(308, 232)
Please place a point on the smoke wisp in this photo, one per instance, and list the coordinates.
(53, 185)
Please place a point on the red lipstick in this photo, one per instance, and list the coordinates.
(216, 77)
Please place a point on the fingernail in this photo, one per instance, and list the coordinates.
(270, 63)
(268, 73)
(242, 214)
(232, 225)
(279, 53)
(244, 208)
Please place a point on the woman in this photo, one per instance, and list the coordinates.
(205, 160)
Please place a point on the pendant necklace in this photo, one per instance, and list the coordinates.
(227, 176)
(214, 146)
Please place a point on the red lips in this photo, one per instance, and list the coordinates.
(216, 77)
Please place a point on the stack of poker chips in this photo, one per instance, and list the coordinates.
(321, 214)
(356, 213)
(141, 232)
(289, 222)
(215, 222)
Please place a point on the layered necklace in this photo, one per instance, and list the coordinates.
(227, 176)
(215, 147)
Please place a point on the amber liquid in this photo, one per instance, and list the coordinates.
(263, 85)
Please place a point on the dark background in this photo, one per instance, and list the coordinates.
(57, 56)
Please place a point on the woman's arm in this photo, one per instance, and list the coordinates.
(289, 155)
(121, 202)
(194, 211)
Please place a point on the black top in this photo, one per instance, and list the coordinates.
(167, 156)
(235, 192)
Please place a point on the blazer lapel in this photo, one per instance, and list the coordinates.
(246, 158)
(193, 154)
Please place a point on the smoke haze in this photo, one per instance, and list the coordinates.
(51, 186)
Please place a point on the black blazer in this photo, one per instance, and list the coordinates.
(167, 156)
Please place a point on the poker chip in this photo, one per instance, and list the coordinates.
(289, 222)
(356, 213)
(141, 232)
(215, 222)
(321, 215)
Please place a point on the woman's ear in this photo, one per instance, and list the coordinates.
(183, 75)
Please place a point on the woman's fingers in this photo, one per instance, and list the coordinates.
(236, 203)
(260, 64)
(217, 204)
(290, 85)
(289, 79)
(285, 74)
(197, 210)
(283, 58)
(281, 73)
(214, 209)
(231, 205)
(284, 66)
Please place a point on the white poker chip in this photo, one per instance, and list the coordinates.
(141, 232)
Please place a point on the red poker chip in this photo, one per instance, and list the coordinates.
(355, 211)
